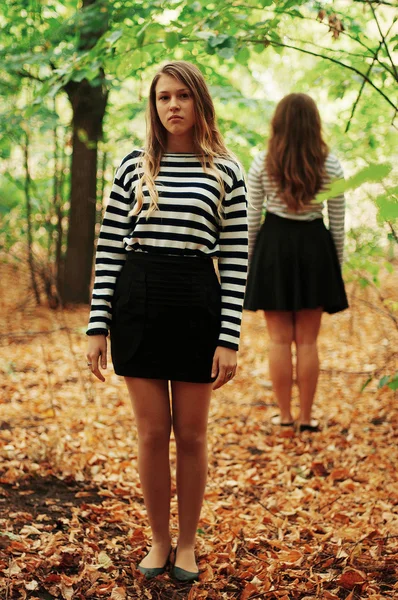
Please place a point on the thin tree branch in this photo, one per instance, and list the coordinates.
(379, 310)
(361, 89)
(357, 40)
(383, 39)
(341, 50)
(383, 2)
(27, 75)
(334, 60)
(282, 12)
(393, 232)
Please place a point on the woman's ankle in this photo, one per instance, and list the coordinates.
(186, 545)
(161, 541)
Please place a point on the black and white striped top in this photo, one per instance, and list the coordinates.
(263, 191)
(187, 223)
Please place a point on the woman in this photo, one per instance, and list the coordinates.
(295, 262)
(174, 207)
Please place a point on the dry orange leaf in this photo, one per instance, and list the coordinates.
(351, 578)
(118, 593)
(248, 591)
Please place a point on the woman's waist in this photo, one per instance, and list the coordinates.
(181, 262)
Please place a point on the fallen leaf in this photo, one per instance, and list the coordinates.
(118, 593)
(351, 578)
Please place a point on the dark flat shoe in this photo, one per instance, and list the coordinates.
(276, 420)
(151, 572)
(183, 575)
(312, 427)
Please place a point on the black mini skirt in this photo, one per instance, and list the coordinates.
(166, 318)
(295, 267)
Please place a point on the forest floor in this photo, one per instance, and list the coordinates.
(286, 515)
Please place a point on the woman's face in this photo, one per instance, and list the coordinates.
(175, 105)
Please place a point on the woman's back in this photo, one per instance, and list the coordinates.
(264, 192)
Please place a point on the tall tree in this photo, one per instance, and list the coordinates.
(88, 100)
(89, 47)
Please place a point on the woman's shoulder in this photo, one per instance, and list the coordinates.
(333, 166)
(259, 159)
(230, 165)
(134, 155)
(129, 163)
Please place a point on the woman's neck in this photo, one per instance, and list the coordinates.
(180, 144)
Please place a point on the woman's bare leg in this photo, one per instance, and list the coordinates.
(307, 325)
(151, 405)
(280, 329)
(190, 403)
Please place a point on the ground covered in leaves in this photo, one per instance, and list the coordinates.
(286, 516)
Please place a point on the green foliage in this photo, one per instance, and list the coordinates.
(370, 173)
(389, 380)
(367, 255)
(242, 51)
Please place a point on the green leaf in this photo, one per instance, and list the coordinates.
(393, 384)
(243, 56)
(390, 381)
(79, 75)
(296, 13)
(259, 47)
(365, 385)
(226, 52)
(387, 204)
(127, 68)
(171, 39)
(111, 39)
(383, 381)
(374, 172)
(204, 35)
(217, 40)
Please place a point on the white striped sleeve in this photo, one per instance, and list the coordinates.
(256, 199)
(232, 261)
(111, 253)
(336, 207)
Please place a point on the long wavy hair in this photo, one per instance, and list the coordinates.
(296, 156)
(207, 140)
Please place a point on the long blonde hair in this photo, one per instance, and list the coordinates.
(207, 140)
(296, 155)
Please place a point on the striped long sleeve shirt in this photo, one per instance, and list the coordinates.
(186, 223)
(263, 192)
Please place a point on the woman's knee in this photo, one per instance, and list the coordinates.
(152, 436)
(191, 439)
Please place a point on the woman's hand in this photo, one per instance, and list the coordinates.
(224, 366)
(96, 348)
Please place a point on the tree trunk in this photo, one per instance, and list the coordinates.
(29, 220)
(88, 105)
(59, 263)
(88, 100)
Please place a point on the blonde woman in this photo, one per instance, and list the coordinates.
(174, 206)
(295, 261)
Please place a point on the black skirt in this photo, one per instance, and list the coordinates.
(295, 267)
(166, 318)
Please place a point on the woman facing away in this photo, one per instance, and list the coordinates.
(295, 262)
(174, 206)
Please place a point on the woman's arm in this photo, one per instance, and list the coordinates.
(256, 199)
(233, 257)
(111, 253)
(336, 208)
